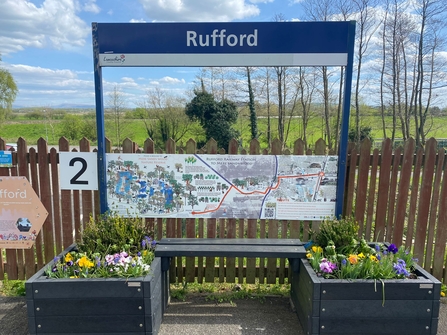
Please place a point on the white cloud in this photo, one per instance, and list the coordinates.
(170, 80)
(128, 79)
(55, 86)
(137, 21)
(198, 10)
(91, 6)
(261, 1)
(54, 24)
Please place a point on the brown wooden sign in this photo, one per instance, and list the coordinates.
(21, 213)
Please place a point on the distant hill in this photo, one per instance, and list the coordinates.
(60, 106)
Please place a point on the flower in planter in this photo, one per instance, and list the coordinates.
(348, 258)
(110, 246)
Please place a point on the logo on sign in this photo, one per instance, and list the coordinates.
(114, 59)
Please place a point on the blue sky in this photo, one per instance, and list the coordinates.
(47, 47)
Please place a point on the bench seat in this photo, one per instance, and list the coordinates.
(292, 249)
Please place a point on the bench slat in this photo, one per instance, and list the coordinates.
(211, 250)
(231, 241)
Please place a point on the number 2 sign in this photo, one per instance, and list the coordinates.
(78, 171)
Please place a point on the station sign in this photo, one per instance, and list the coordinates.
(223, 44)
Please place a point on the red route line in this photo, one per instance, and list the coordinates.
(319, 174)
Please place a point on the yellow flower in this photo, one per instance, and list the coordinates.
(85, 262)
(442, 294)
(317, 249)
(353, 259)
(68, 258)
(361, 255)
(373, 258)
(309, 255)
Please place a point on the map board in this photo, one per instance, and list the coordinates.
(223, 44)
(222, 186)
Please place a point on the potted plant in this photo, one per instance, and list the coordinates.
(349, 286)
(107, 282)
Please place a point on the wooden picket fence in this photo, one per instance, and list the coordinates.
(396, 195)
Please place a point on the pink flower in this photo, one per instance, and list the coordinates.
(326, 266)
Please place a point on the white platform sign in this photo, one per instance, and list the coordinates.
(78, 170)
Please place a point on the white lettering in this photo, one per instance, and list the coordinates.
(231, 40)
(11, 194)
(222, 35)
(242, 39)
(207, 41)
(213, 36)
(232, 43)
(191, 37)
(255, 39)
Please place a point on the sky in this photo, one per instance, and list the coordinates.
(47, 45)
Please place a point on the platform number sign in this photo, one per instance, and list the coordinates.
(78, 171)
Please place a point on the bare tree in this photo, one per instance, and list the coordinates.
(366, 27)
(165, 116)
(116, 104)
(432, 18)
(307, 84)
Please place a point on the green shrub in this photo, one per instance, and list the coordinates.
(111, 233)
(341, 232)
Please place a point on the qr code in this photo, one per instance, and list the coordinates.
(269, 213)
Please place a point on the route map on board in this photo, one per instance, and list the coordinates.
(222, 186)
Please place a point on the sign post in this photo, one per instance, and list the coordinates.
(223, 44)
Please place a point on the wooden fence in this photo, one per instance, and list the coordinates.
(396, 195)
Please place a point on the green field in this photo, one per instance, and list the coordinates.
(31, 131)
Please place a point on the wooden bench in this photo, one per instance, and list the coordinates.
(292, 249)
(167, 248)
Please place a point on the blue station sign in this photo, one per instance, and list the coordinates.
(223, 44)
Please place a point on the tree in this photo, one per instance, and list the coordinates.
(116, 109)
(215, 117)
(8, 92)
(71, 127)
(164, 116)
(366, 26)
(251, 105)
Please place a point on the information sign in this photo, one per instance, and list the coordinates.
(22, 214)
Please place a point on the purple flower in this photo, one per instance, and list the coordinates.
(392, 248)
(400, 267)
(326, 266)
(343, 261)
(377, 247)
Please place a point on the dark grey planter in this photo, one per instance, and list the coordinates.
(97, 306)
(331, 306)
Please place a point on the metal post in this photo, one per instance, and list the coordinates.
(343, 144)
(100, 129)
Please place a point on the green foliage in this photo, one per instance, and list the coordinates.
(8, 92)
(227, 292)
(75, 127)
(217, 118)
(12, 288)
(365, 132)
(340, 232)
(112, 233)
(35, 115)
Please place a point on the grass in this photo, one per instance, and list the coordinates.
(228, 292)
(32, 130)
(12, 288)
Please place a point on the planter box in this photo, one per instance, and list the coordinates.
(97, 306)
(333, 306)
